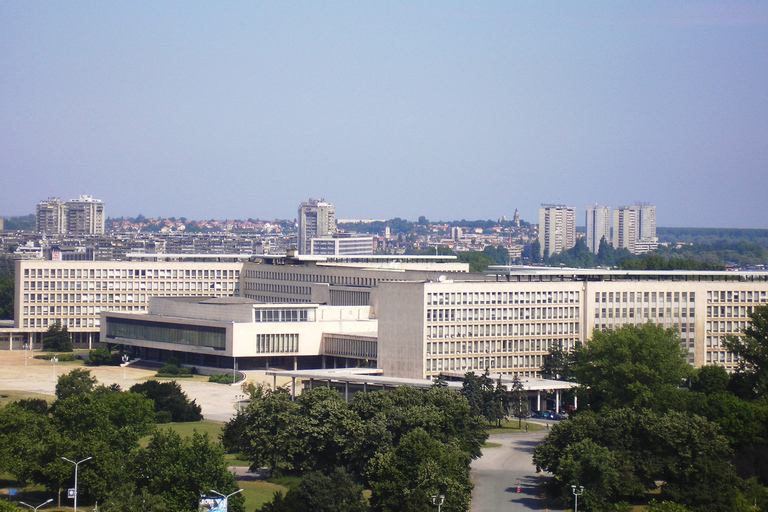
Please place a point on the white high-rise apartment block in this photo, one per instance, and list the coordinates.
(634, 228)
(557, 228)
(598, 226)
(81, 216)
(316, 219)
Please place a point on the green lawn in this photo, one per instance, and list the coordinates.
(7, 397)
(212, 428)
(511, 427)
(258, 492)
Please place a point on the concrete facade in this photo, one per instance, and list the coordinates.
(316, 218)
(509, 325)
(557, 228)
(598, 226)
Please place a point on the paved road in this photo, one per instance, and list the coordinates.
(499, 471)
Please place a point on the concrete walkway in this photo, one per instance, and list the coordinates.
(217, 401)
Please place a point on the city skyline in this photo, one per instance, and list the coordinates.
(446, 110)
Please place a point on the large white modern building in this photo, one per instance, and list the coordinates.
(74, 293)
(416, 316)
(222, 331)
(508, 325)
(81, 216)
(598, 226)
(557, 228)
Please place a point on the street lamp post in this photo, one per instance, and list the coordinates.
(125, 358)
(226, 497)
(74, 507)
(438, 500)
(37, 507)
(577, 491)
(54, 360)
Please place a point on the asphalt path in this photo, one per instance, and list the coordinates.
(500, 470)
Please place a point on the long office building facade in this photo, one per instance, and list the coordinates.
(509, 325)
(431, 314)
(74, 293)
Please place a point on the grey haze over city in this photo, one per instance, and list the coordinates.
(397, 109)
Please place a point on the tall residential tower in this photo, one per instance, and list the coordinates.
(557, 228)
(634, 228)
(316, 219)
(598, 226)
(81, 216)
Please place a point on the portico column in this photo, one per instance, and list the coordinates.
(557, 401)
(538, 400)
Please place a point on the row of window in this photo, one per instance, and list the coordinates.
(278, 288)
(196, 335)
(127, 286)
(106, 297)
(479, 331)
(737, 296)
(645, 297)
(482, 314)
(729, 327)
(129, 273)
(495, 363)
(644, 312)
(729, 311)
(311, 278)
(465, 298)
(283, 315)
(497, 346)
(277, 343)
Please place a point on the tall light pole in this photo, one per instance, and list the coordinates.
(25, 346)
(125, 358)
(37, 507)
(54, 360)
(438, 500)
(76, 465)
(226, 497)
(577, 491)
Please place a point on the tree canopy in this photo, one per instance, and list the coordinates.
(635, 366)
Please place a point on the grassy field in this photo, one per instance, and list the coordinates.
(511, 427)
(7, 397)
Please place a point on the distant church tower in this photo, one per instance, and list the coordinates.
(516, 218)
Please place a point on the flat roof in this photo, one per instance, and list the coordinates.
(524, 270)
(374, 376)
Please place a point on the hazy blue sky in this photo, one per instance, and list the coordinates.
(390, 109)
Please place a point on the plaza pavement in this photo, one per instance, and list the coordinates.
(217, 401)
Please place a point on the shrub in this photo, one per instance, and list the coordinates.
(221, 378)
(169, 397)
(103, 357)
(63, 358)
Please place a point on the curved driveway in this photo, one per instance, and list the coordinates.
(500, 470)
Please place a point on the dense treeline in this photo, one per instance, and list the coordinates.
(21, 223)
(6, 288)
(705, 443)
(405, 445)
(106, 423)
(712, 235)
